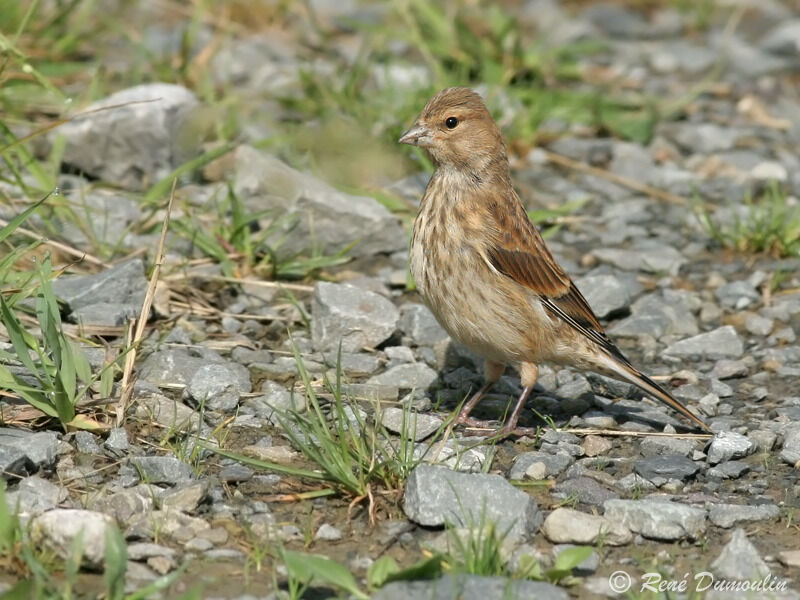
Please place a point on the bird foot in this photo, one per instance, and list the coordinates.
(505, 431)
(476, 423)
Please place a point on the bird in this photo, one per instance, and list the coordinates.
(484, 270)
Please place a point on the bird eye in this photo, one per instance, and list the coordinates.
(451, 122)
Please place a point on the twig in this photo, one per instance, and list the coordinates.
(130, 357)
(203, 311)
(632, 184)
(79, 254)
(618, 433)
(297, 287)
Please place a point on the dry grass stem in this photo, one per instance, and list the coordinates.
(130, 357)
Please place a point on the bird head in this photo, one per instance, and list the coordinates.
(456, 130)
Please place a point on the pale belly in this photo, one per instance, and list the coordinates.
(476, 307)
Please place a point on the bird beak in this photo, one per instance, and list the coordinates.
(418, 135)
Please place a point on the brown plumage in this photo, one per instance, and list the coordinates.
(483, 268)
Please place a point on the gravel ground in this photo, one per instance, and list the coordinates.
(717, 326)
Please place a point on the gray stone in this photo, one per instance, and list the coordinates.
(257, 64)
(275, 403)
(399, 354)
(417, 426)
(722, 342)
(166, 412)
(412, 375)
(764, 440)
(610, 388)
(470, 587)
(357, 364)
(247, 356)
(235, 472)
(630, 161)
(790, 558)
(657, 519)
(86, 443)
(656, 315)
(758, 325)
(197, 545)
(633, 483)
(117, 441)
(791, 446)
(728, 369)
(737, 294)
(35, 495)
(606, 294)
(746, 59)
(328, 533)
(323, 216)
(435, 495)
(720, 389)
(216, 386)
(14, 462)
(105, 218)
(595, 445)
(666, 466)
(39, 447)
(646, 255)
(459, 455)
(58, 528)
(730, 515)
(727, 445)
(568, 526)
(692, 58)
(185, 497)
(732, 469)
(655, 446)
(703, 138)
(170, 524)
(162, 469)
(784, 39)
(575, 388)
(418, 322)
(108, 298)
(144, 550)
(585, 490)
(739, 559)
(351, 316)
(371, 392)
(135, 145)
(180, 365)
(124, 505)
(621, 22)
(552, 465)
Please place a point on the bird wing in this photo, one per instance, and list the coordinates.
(520, 253)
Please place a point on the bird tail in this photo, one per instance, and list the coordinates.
(643, 382)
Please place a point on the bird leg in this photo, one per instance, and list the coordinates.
(529, 373)
(511, 425)
(493, 372)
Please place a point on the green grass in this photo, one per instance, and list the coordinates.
(61, 374)
(475, 550)
(768, 224)
(242, 249)
(357, 455)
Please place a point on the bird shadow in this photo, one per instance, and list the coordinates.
(462, 375)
